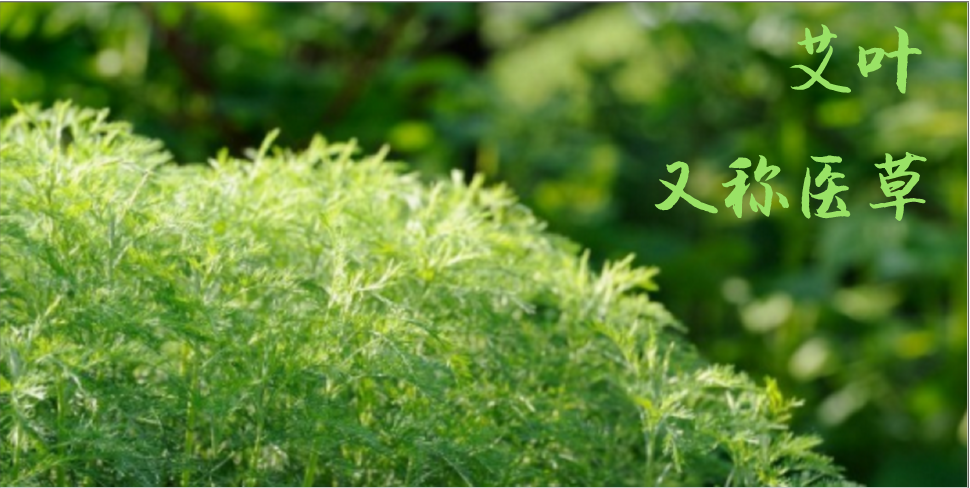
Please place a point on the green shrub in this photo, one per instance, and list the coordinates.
(307, 318)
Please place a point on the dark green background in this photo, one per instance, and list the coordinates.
(580, 108)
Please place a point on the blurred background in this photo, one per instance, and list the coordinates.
(579, 108)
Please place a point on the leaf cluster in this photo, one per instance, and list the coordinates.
(319, 317)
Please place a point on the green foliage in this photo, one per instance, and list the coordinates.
(315, 317)
(579, 108)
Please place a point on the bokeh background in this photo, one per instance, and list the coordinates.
(579, 108)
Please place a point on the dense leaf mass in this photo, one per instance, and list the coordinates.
(318, 317)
